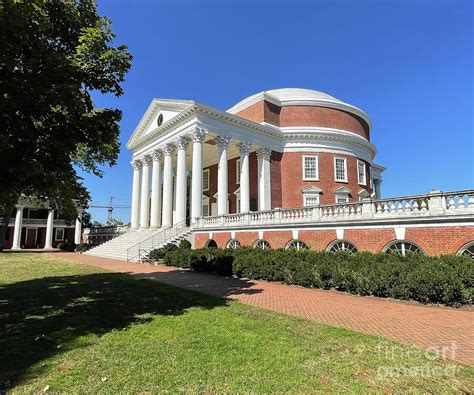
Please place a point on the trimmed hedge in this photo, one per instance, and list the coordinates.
(67, 246)
(83, 247)
(447, 279)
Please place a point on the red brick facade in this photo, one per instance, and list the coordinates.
(432, 240)
(264, 111)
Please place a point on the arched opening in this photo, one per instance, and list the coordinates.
(402, 248)
(233, 244)
(297, 245)
(211, 243)
(468, 250)
(262, 244)
(341, 246)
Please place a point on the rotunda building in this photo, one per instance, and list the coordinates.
(326, 154)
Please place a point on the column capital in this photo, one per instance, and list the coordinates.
(136, 164)
(157, 154)
(244, 147)
(264, 153)
(198, 134)
(222, 141)
(182, 142)
(146, 160)
(168, 149)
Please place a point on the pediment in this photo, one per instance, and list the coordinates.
(342, 190)
(168, 109)
(311, 189)
(363, 193)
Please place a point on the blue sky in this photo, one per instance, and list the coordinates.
(408, 64)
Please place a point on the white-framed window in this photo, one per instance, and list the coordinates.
(237, 171)
(361, 173)
(205, 207)
(342, 195)
(340, 169)
(311, 199)
(205, 180)
(310, 165)
(59, 234)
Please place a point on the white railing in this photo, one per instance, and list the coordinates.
(431, 204)
(141, 250)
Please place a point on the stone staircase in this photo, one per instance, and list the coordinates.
(134, 245)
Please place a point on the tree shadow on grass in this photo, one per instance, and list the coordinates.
(42, 317)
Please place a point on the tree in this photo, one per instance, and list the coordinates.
(86, 219)
(53, 55)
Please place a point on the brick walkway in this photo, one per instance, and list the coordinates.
(422, 326)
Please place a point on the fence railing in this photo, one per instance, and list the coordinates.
(139, 250)
(431, 204)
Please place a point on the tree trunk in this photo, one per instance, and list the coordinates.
(4, 227)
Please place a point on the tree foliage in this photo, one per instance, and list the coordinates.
(53, 55)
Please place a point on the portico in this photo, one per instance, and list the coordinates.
(170, 165)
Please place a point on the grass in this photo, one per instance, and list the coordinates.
(69, 327)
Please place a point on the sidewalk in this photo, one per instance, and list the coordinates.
(422, 326)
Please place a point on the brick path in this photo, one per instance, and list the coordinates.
(422, 326)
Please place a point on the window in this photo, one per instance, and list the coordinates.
(340, 169)
(342, 246)
(205, 206)
(296, 245)
(233, 244)
(310, 168)
(361, 172)
(237, 172)
(262, 244)
(402, 248)
(311, 200)
(211, 243)
(342, 195)
(468, 250)
(59, 234)
(205, 180)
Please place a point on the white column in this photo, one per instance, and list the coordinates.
(196, 183)
(78, 230)
(155, 214)
(167, 186)
(145, 193)
(135, 214)
(181, 179)
(244, 177)
(222, 175)
(48, 244)
(264, 186)
(17, 230)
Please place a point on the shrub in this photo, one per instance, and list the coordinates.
(67, 246)
(82, 247)
(184, 244)
(447, 279)
(159, 253)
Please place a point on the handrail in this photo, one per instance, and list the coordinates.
(175, 229)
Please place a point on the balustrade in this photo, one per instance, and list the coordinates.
(432, 204)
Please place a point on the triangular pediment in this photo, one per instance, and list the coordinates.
(363, 193)
(311, 189)
(342, 190)
(159, 108)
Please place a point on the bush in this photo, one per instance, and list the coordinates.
(82, 247)
(159, 253)
(446, 279)
(184, 245)
(67, 246)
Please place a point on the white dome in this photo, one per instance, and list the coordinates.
(286, 94)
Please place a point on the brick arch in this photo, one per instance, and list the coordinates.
(345, 239)
(423, 250)
(458, 244)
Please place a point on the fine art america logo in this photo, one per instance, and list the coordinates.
(413, 359)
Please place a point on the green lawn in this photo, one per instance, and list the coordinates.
(71, 327)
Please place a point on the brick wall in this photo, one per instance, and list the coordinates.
(292, 178)
(286, 116)
(432, 240)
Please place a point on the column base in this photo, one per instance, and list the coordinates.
(16, 248)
